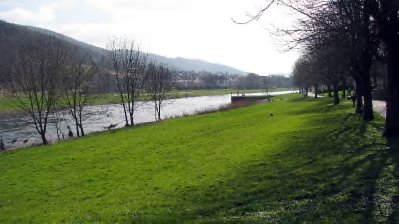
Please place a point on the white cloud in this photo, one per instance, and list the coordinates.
(201, 29)
(44, 14)
(20, 15)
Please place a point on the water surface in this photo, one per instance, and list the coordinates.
(19, 131)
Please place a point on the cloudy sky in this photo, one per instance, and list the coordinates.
(200, 29)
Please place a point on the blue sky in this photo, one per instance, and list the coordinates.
(199, 29)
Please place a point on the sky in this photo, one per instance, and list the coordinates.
(196, 29)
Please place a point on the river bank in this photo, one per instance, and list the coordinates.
(18, 130)
(9, 104)
(309, 162)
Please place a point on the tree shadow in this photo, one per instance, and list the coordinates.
(339, 171)
(318, 106)
(394, 199)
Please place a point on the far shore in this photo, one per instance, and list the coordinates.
(9, 105)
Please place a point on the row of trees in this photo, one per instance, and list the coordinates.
(312, 70)
(342, 39)
(137, 78)
(254, 81)
(208, 80)
(47, 77)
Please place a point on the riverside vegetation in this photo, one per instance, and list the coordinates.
(10, 103)
(310, 161)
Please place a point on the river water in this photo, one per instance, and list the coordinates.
(19, 131)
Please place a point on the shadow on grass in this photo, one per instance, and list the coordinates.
(338, 171)
(318, 105)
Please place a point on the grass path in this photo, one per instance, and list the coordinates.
(311, 161)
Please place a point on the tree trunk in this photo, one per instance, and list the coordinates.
(358, 95)
(316, 91)
(329, 91)
(343, 88)
(392, 116)
(44, 139)
(82, 133)
(359, 103)
(81, 123)
(124, 108)
(2, 146)
(368, 114)
(131, 118)
(156, 110)
(159, 112)
(336, 94)
(77, 128)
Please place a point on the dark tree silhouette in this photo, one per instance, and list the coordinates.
(129, 63)
(359, 26)
(77, 84)
(159, 78)
(35, 78)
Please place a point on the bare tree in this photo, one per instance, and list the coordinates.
(159, 83)
(348, 21)
(366, 23)
(129, 64)
(35, 76)
(57, 118)
(267, 85)
(2, 146)
(302, 73)
(78, 77)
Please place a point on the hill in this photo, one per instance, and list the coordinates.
(14, 35)
(196, 65)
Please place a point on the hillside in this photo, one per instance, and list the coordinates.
(196, 65)
(311, 162)
(13, 36)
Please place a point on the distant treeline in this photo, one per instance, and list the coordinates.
(207, 80)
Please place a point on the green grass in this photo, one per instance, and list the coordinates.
(311, 161)
(8, 103)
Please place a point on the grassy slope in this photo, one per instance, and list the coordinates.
(310, 161)
(9, 103)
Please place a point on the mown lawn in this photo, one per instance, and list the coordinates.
(311, 161)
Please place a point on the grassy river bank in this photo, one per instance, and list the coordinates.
(310, 161)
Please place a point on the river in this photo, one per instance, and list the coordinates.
(18, 130)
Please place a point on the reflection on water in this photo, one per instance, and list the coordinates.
(19, 131)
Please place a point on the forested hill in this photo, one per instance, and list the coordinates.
(185, 64)
(13, 36)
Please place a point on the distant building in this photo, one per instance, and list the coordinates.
(189, 84)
